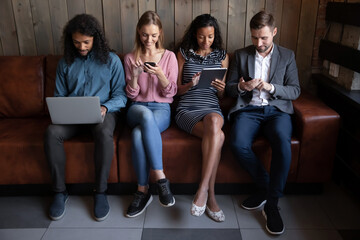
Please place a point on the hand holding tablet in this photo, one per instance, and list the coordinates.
(210, 74)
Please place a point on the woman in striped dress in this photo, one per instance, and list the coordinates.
(198, 112)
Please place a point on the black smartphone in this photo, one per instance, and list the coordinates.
(149, 64)
(246, 78)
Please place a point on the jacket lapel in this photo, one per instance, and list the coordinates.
(274, 62)
(251, 64)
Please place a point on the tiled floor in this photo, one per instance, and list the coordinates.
(332, 215)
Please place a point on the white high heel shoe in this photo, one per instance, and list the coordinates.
(216, 216)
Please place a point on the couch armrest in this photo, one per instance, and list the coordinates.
(317, 127)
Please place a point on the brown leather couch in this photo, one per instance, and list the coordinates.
(25, 82)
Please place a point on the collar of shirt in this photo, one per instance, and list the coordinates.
(262, 70)
(90, 55)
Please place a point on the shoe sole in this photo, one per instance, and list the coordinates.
(62, 215)
(102, 218)
(254, 208)
(267, 229)
(169, 205)
(147, 204)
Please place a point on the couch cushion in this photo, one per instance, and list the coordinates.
(50, 73)
(182, 158)
(21, 86)
(23, 157)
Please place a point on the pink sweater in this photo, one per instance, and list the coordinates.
(149, 88)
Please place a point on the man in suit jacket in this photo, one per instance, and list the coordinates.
(264, 78)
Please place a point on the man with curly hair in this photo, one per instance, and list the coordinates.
(88, 68)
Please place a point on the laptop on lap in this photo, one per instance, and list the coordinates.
(74, 110)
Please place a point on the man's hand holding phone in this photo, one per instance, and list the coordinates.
(249, 85)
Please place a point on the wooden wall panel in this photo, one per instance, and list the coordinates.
(304, 47)
(129, 14)
(166, 11)
(183, 18)
(289, 31)
(146, 5)
(275, 7)
(112, 24)
(59, 18)
(253, 7)
(200, 7)
(75, 7)
(219, 9)
(35, 26)
(24, 27)
(42, 27)
(236, 25)
(94, 7)
(8, 32)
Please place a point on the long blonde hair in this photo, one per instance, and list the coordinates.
(149, 17)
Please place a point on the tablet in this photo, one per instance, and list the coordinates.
(210, 74)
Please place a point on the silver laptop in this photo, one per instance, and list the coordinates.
(74, 110)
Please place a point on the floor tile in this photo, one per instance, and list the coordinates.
(24, 212)
(297, 211)
(247, 219)
(93, 234)
(190, 234)
(256, 234)
(22, 234)
(303, 212)
(178, 216)
(79, 214)
(342, 209)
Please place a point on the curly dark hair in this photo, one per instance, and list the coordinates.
(189, 40)
(89, 26)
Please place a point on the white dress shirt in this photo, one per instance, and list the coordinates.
(262, 71)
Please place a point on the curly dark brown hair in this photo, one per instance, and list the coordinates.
(189, 40)
(89, 26)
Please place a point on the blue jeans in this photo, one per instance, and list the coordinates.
(277, 128)
(148, 120)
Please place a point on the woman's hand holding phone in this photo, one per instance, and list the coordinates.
(148, 65)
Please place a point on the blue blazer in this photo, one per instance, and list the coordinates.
(283, 75)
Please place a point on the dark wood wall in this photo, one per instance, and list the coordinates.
(34, 27)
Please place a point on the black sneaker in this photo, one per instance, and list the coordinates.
(165, 196)
(139, 204)
(274, 223)
(57, 208)
(254, 202)
(101, 207)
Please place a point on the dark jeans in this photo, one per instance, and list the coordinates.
(276, 127)
(55, 136)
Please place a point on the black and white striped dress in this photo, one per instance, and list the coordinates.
(196, 103)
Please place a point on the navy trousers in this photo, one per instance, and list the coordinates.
(276, 126)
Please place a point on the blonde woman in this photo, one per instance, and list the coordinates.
(151, 74)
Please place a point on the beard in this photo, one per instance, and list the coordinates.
(262, 49)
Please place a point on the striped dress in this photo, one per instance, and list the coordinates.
(196, 103)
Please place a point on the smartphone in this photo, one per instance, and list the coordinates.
(246, 78)
(150, 64)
